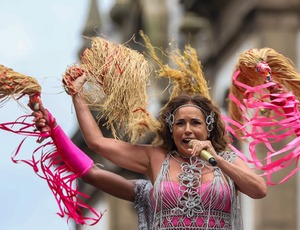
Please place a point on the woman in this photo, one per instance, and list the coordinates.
(188, 192)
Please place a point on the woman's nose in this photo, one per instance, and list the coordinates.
(187, 129)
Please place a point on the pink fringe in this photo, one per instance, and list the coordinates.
(262, 128)
(48, 165)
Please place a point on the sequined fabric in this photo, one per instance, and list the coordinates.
(143, 204)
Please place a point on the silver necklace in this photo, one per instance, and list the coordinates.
(189, 202)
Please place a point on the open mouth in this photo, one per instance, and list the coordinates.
(187, 140)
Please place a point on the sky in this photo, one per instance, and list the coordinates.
(39, 39)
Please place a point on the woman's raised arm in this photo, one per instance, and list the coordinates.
(126, 155)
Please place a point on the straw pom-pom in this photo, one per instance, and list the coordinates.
(263, 110)
(116, 87)
(188, 77)
(15, 85)
(283, 71)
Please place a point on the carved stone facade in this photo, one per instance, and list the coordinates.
(218, 30)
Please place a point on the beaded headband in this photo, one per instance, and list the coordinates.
(209, 120)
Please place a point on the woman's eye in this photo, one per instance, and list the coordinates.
(179, 123)
(196, 122)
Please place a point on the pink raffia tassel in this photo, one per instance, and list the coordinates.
(267, 119)
(48, 164)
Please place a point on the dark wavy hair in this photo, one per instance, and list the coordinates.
(218, 135)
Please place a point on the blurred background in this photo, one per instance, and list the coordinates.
(42, 38)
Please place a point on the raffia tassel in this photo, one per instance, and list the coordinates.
(188, 78)
(191, 77)
(15, 85)
(116, 84)
(139, 126)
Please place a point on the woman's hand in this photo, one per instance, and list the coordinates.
(73, 80)
(203, 149)
(196, 146)
(79, 82)
(43, 119)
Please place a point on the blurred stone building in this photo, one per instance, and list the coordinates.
(219, 30)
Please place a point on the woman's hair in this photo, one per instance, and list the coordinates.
(218, 135)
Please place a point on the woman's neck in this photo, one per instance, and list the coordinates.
(181, 155)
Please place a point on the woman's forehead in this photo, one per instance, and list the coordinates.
(189, 111)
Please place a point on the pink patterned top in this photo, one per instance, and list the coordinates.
(189, 204)
(217, 202)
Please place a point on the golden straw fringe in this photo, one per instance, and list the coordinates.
(15, 85)
(117, 80)
(188, 78)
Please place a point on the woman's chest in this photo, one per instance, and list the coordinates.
(186, 171)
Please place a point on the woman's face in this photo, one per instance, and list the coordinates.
(189, 123)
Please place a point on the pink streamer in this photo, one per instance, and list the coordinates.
(262, 128)
(47, 163)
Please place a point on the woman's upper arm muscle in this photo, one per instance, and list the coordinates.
(130, 156)
(249, 182)
(123, 154)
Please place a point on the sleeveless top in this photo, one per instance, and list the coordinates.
(189, 204)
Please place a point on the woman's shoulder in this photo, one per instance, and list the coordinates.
(157, 155)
